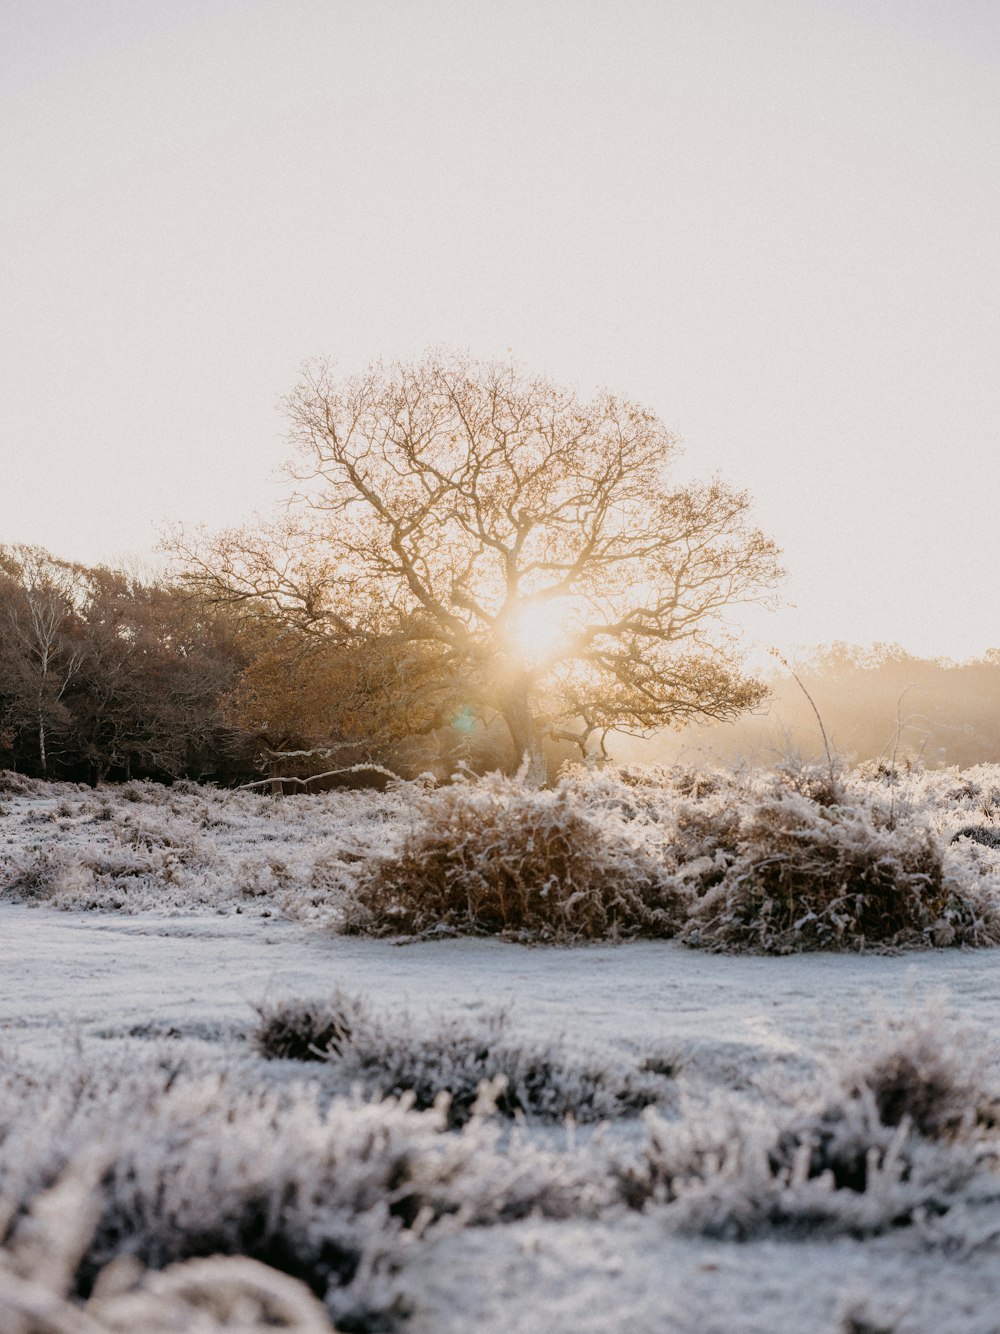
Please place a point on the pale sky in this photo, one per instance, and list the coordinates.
(775, 222)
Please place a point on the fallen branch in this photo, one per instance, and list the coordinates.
(330, 773)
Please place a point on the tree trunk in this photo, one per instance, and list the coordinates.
(42, 753)
(524, 733)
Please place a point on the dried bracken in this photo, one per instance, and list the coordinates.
(496, 856)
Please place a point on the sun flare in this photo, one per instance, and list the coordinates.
(538, 630)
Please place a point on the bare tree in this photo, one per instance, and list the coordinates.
(40, 645)
(532, 543)
(100, 671)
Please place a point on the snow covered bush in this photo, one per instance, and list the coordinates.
(144, 847)
(182, 1162)
(924, 1066)
(810, 876)
(209, 1296)
(806, 858)
(108, 878)
(308, 1030)
(803, 857)
(902, 1129)
(15, 784)
(498, 857)
(448, 1066)
(988, 835)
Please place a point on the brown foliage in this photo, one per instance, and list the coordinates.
(808, 876)
(498, 857)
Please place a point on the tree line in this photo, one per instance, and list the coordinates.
(477, 566)
(106, 674)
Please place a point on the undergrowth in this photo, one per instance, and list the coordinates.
(172, 1162)
(498, 857)
(899, 1130)
(803, 857)
(448, 1065)
(165, 1193)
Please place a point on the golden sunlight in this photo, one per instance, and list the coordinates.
(537, 630)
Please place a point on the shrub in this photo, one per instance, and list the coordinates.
(20, 785)
(450, 1065)
(497, 857)
(180, 1161)
(926, 1068)
(891, 1135)
(307, 1030)
(91, 877)
(804, 875)
(207, 1295)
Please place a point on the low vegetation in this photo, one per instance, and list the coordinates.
(450, 1065)
(496, 856)
(166, 1191)
(896, 1131)
(803, 858)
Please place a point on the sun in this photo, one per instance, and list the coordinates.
(537, 630)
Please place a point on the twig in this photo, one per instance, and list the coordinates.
(892, 762)
(798, 681)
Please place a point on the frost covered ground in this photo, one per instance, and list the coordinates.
(819, 1153)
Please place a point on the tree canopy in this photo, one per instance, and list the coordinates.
(101, 672)
(526, 554)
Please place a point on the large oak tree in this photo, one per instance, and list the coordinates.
(530, 547)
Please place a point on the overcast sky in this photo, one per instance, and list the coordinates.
(775, 222)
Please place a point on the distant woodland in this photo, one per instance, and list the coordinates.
(875, 704)
(107, 675)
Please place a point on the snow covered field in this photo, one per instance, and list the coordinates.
(805, 1165)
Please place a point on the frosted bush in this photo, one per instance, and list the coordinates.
(193, 1162)
(810, 876)
(308, 1030)
(901, 1129)
(495, 856)
(110, 878)
(925, 1066)
(21, 785)
(452, 1062)
(164, 832)
(730, 1176)
(169, 850)
(809, 858)
(205, 1296)
(988, 835)
(798, 858)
